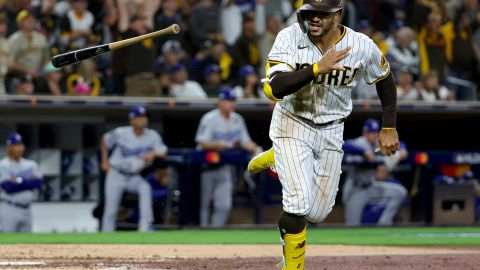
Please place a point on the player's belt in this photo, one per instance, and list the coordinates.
(125, 172)
(313, 124)
(20, 205)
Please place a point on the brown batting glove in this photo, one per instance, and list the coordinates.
(388, 142)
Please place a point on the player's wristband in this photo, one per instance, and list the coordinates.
(315, 69)
(388, 128)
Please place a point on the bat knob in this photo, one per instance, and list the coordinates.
(175, 28)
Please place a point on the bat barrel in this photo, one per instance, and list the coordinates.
(79, 55)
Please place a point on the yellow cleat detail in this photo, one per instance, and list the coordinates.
(261, 161)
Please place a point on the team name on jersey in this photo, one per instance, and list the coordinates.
(336, 77)
(128, 152)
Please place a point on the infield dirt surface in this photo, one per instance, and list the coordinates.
(188, 257)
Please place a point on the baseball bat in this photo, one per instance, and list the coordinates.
(82, 54)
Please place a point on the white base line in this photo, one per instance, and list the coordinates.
(20, 263)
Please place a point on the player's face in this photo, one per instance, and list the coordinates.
(371, 136)
(319, 23)
(16, 150)
(139, 122)
(226, 105)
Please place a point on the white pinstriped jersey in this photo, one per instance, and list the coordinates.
(327, 98)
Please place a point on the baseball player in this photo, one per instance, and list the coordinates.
(362, 186)
(311, 70)
(19, 178)
(220, 129)
(132, 149)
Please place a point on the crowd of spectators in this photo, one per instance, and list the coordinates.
(433, 46)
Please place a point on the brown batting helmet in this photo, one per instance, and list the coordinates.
(329, 6)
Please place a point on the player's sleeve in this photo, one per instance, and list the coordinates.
(244, 136)
(280, 58)
(204, 131)
(37, 174)
(4, 174)
(159, 146)
(111, 138)
(377, 66)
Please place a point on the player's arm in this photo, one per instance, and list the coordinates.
(159, 150)
(106, 143)
(104, 155)
(378, 72)
(19, 184)
(204, 137)
(281, 83)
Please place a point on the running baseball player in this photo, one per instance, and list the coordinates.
(311, 70)
(19, 178)
(220, 129)
(132, 149)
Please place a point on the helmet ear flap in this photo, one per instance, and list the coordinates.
(301, 21)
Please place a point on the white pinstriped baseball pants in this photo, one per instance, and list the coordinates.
(308, 161)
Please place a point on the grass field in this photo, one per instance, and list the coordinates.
(425, 236)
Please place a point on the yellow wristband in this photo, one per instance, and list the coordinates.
(388, 128)
(315, 69)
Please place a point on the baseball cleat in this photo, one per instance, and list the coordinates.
(281, 265)
(261, 161)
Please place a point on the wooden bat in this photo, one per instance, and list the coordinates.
(82, 54)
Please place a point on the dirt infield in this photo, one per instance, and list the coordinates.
(189, 257)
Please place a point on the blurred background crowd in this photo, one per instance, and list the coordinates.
(433, 46)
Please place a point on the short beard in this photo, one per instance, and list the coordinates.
(327, 29)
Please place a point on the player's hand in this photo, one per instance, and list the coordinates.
(388, 142)
(149, 157)
(330, 60)
(105, 166)
(369, 155)
(222, 145)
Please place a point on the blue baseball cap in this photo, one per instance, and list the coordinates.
(371, 125)
(137, 111)
(226, 93)
(14, 138)
(245, 71)
(212, 68)
(171, 46)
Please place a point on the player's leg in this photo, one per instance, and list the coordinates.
(26, 223)
(328, 155)
(355, 204)
(207, 183)
(9, 217)
(115, 184)
(222, 196)
(140, 186)
(294, 164)
(396, 194)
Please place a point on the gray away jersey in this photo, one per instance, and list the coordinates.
(129, 148)
(213, 127)
(25, 168)
(328, 97)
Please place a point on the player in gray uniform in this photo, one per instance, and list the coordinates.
(134, 148)
(19, 178)
(362, 186)
(311, 70)
(220, 129)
